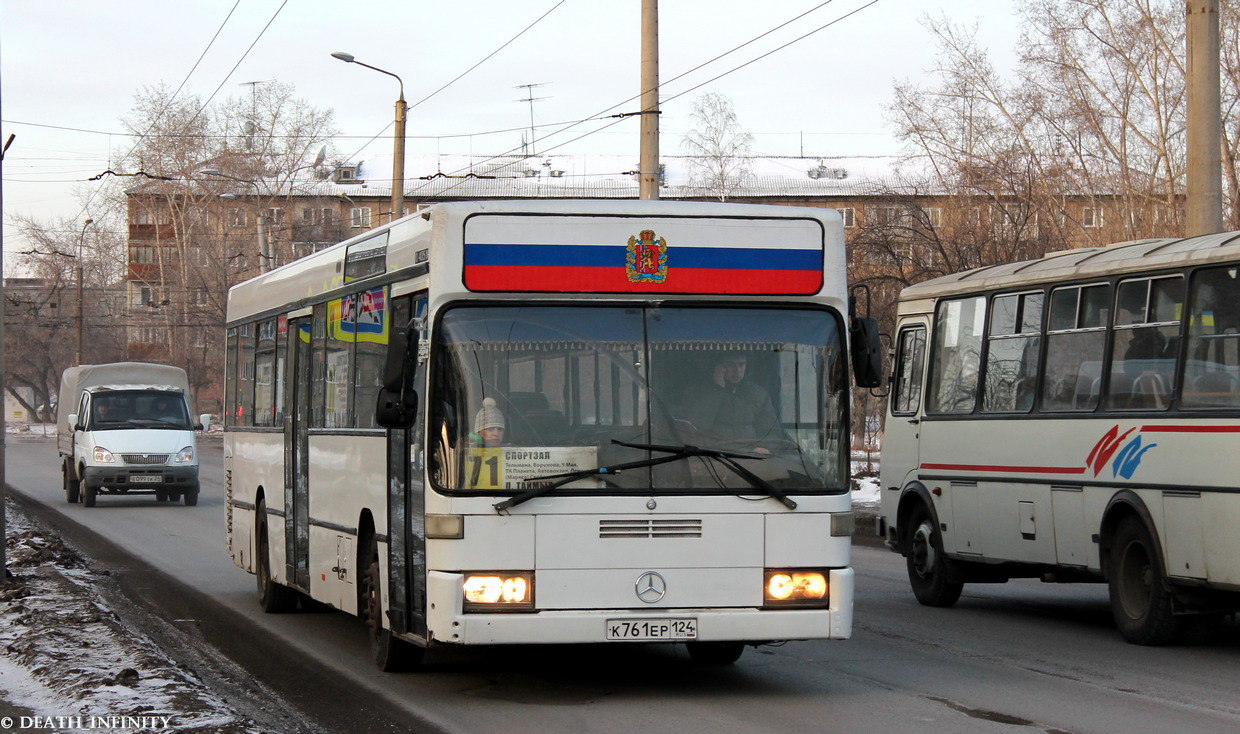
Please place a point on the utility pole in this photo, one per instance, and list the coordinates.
(648, 158)
(1204, 205)
(4, 565)
(529, 97)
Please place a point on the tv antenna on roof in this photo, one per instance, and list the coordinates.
(529, 91)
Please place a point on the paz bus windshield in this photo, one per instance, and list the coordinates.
(523, 392)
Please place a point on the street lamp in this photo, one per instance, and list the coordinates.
(264, 248)
(81, 243)
(398, 142)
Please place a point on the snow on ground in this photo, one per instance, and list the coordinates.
(68, 663)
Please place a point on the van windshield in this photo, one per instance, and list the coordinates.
(118, 409)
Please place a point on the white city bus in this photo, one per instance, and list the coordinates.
(1074, 418)
(631, 498)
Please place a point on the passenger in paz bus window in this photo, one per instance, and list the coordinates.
(731, 409)
(488, 425)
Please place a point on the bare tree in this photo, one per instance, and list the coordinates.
(189, 244)
(718, 149)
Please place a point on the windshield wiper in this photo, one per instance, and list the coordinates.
(676, 453)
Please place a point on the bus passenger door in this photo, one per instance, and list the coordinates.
(406, 499)
(296, 455)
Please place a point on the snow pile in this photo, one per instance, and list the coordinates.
(70, 660)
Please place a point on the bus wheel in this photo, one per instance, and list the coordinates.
(1140, 600)
(73, 490)
(88, 494)
(390, 653)
(928, 567)
(273, 598)
(715, 653)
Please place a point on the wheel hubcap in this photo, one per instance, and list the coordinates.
(923, 549)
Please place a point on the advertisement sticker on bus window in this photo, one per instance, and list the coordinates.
(517, 467)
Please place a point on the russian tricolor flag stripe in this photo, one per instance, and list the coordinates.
(601, 268)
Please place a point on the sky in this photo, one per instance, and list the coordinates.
(70, 69)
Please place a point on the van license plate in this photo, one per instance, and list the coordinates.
(145, 479)
(652, 629)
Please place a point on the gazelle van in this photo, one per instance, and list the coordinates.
(125, 428)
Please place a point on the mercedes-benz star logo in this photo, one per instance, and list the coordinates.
(651, 587)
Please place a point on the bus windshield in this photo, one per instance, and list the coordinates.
(520, 393)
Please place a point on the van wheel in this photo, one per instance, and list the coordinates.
(273, 598)
(190, 498)
(73, 491)
(161, 496)
(1140, 599)
(88, 494)
(928, 567)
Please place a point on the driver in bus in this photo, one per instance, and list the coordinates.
(488, 425)
(732, 409)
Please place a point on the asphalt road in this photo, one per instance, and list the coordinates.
(1018, 657)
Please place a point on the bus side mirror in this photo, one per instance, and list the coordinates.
(397, 406)
(867, 357)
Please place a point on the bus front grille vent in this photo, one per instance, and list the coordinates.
(650, 528)
(145, 458)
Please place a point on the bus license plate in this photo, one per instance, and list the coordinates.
(145, 479)
(652, 629)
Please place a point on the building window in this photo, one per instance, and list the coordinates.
(934, 216)
(141, 216)
(891, 216)
(848, 214)
(236, 217)
(359, 216)
(1091, 217)
(140, 296)
(275, 215)
(198, 296)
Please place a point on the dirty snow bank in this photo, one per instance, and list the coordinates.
(68, 663)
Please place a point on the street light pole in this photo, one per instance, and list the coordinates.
(398, 143)
(81, 243)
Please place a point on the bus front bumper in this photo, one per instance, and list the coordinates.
(448, 623)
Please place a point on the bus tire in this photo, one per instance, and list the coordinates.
(715, 653)
(929, 569)
(73, 490)
(1140, 599)
(390, 653)
(88, 493)
(273, 597)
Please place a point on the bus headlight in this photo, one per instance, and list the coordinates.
(499, 592)
(796, 588)
(103, 456)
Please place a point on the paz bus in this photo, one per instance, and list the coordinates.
(521, 422)
(1070, 419)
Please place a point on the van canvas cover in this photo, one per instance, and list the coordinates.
(127, 375)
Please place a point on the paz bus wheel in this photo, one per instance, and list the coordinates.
(273, 597)
(390, 653)
(928, 567)
(1140, 599)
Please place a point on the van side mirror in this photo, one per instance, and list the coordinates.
(397, 405)
(866, 348)
(204, 422)
(74, 422)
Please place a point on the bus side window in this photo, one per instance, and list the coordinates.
(910, 364)
(1075, 341)
(1212, 369)
(958, 327)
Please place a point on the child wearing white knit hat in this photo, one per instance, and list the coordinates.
(489, 424)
